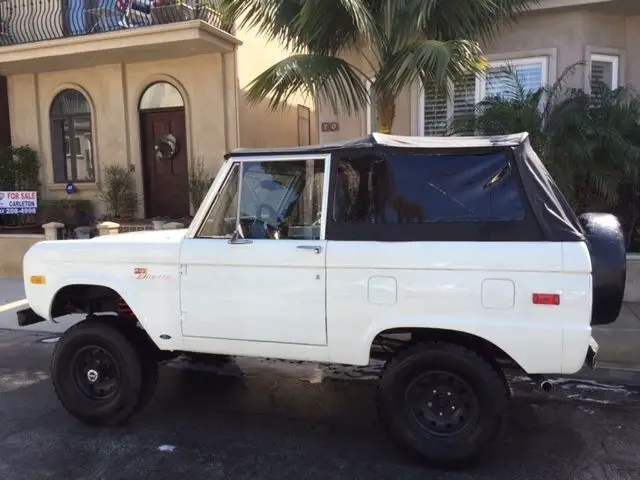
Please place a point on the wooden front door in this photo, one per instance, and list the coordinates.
(166, 181)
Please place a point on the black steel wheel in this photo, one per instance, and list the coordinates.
(443, 402)
(97, 373)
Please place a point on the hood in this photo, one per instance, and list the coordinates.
(155, 246)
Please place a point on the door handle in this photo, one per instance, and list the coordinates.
(316, 248)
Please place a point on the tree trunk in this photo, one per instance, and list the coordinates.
(386, 114)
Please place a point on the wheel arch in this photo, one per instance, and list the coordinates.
(91, 298)
(491, 351)
(85, 297)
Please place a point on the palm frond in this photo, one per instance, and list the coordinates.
(318, 26)
(472, 19)
(330, 79)
(428, 61)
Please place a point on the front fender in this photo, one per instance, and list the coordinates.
(155, 302)
(535, 348)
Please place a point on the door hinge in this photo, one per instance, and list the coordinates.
(182, 270)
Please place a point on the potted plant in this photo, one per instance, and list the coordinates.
(118, 192)
(158, 222)
(199, 182)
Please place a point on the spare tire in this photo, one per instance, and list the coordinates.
(607, 247)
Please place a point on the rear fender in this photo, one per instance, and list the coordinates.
(536, 349)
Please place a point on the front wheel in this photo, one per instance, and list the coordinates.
(97, 373)
(442, 401)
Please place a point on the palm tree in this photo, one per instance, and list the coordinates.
(402, 42)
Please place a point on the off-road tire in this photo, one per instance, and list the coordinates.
(97, 335)
(460, 449)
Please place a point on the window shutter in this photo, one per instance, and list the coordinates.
(435, 111)
(501, 83)
(601, 73)
(464, 97)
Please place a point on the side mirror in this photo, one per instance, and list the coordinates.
(237, 238)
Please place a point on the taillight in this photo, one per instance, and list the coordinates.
(546, 299)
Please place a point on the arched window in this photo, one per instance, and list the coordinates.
(71, 142)
(161, 95)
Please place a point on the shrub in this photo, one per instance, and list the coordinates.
(118, 191)
(19, 170)
(199, 182)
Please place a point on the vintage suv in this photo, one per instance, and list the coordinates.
(454, 259)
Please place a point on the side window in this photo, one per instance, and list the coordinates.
(278, 200)
(221, 220)
(406, 188)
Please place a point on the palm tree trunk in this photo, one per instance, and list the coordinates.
(386, 114)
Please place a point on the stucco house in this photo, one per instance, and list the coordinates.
(553, 35)
(91, 83)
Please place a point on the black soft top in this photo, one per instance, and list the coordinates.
(552, 211)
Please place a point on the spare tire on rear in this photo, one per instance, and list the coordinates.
(609, 265)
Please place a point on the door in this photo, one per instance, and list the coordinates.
(166, 175)
(255, 270)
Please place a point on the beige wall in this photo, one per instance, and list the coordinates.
(566, 37)
(13, 248)
(113, 92)
(259, 126)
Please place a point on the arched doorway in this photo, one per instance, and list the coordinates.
(165, 165)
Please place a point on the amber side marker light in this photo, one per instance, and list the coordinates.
(37, 280)
(546, 299)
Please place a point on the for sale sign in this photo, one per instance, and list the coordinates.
(18, 203)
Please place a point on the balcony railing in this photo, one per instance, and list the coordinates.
(27, 21)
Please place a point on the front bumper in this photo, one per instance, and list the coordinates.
(28, 317)
(592, 354)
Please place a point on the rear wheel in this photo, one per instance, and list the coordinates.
(97, 373)
(442, 401)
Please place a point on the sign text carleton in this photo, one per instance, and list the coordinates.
(18, 203)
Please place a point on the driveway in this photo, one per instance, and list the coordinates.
(263, 419)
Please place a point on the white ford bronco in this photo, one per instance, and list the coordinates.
(453, 259)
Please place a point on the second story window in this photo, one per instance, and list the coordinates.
(605, 72)
(441, 106)
(71, 138)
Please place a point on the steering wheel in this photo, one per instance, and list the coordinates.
(262, 228)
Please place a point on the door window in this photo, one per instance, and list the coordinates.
(278, 200)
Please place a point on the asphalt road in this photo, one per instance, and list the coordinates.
(261, 419)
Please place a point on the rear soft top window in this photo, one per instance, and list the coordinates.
(421, 188)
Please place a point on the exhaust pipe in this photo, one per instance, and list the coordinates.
(546, 386)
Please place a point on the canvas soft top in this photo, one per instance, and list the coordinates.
(552, 212)
(375, 140)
